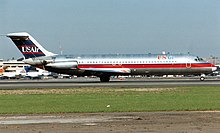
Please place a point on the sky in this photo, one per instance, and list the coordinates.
(113, 26)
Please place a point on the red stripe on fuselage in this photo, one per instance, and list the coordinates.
(32, 53)
(198, 65)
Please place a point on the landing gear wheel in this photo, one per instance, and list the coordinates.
(104, 78)
(202, 78)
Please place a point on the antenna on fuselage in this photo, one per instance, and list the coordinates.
(61, 49)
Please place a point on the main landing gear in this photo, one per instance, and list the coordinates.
(202, 78)
(104, 78)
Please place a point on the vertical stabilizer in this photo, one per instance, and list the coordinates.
(28, 46)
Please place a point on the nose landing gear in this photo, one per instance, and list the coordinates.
(202, 78)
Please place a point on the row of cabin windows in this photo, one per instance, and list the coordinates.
(16, 66)
(123, 62)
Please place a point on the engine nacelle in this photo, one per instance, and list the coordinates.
(63, 65)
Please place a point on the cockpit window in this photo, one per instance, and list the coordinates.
(201, 59)
(198, 59)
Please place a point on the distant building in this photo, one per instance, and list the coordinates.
(213, 60)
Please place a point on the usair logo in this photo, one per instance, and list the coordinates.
(30, 49)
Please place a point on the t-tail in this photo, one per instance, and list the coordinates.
(28, 46)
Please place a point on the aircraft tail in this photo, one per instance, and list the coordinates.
(28, 46)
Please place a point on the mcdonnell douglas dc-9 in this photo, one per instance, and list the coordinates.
(107, 65)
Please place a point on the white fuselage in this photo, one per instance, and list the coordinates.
(143, 64)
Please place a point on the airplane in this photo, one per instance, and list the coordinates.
(106, 65)
(34, 73)
(8, 73)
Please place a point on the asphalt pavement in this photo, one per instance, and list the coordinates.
(94, 82)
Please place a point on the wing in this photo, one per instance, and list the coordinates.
(108, 70)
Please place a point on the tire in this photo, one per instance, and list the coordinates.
(202, 78)
(104, 78)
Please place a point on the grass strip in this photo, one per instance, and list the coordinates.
(109, 100)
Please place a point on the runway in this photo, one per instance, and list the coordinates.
(94, 82)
